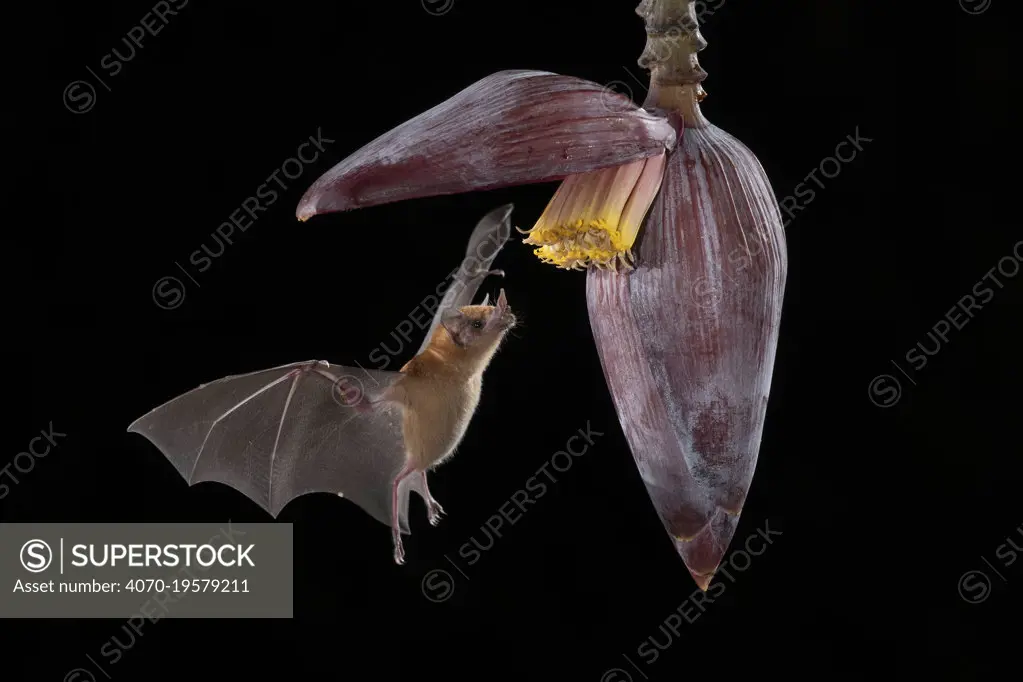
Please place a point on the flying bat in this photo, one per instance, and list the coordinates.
(366, 435)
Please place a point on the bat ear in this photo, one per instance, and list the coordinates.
(486, 300)
(451, 321)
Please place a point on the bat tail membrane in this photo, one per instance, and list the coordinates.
(280, 433)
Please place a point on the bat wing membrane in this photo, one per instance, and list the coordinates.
(486, 241)
(283, 432)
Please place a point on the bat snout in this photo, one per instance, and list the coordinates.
(507, 319)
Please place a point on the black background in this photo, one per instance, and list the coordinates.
(881, 510)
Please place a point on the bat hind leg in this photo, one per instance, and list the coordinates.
(399, 549)
(433, 508)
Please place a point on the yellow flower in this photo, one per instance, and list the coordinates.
(594, 217)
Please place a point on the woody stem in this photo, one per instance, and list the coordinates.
(673, 39)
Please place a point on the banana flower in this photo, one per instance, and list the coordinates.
(677, 228)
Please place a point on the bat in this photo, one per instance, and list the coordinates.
(367, 435)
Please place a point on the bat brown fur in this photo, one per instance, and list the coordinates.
(441, 387)
(279, 433)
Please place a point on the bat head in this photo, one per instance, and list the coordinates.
(480, 325)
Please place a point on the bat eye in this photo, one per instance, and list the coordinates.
(477, 324)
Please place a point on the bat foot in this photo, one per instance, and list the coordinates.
(435, 512)
(399, 551)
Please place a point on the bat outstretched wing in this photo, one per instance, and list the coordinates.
(311, 426)
(489, 236)
(283, 432)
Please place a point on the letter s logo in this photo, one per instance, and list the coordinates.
(36, 556)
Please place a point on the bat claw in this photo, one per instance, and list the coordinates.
(435, 511)
(488, 273)
(399, 553)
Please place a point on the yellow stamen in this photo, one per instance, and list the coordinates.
(593, 218)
